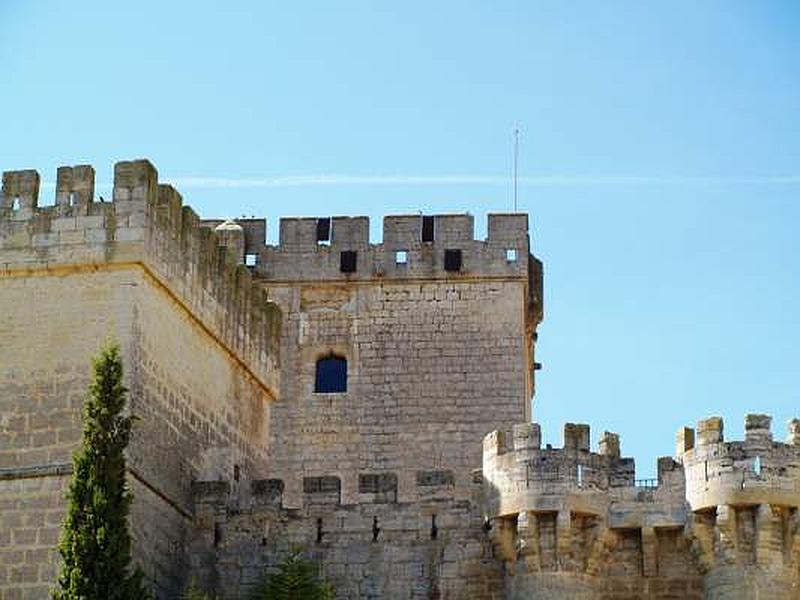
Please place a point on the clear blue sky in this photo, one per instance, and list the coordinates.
(660, 160)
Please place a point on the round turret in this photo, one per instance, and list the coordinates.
(755, 471)
(231, 236)
(744, 497)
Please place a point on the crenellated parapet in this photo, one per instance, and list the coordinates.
(374, 548)
(721, 518)
(559, 516)
(744, 495)
(338, 249)
(520, 475)
(756, 470)
(145, 223)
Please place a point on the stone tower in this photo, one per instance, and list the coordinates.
(200, 348)
(331, 392)
(434, 333)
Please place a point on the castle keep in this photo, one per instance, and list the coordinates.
(370, 402)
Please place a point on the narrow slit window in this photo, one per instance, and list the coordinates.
(511, 255)
(401, 257)
(427, 229)
(347, 261)
(324, 231)
(331, 376)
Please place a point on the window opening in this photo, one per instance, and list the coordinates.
(320, 533)
(487, 525)
(15, 205)
(331, 375)
(580, 475)
(324, 231)
(250, 260)
(757, 466)
(434, 528)
(376, 531)
(401, 257)
(427, 229)
(511, 255)
(347, 261)
(217, 534)
(452, 260)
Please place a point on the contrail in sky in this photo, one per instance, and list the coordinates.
(332, 180)
(474, 180)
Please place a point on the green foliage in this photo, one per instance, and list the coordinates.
(95, 542)
(297, 579)
(194, 592)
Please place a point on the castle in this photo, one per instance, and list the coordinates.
(370, 402)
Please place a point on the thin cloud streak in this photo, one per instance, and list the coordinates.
(474, 180)
(332, 180)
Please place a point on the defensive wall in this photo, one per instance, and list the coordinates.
(721, 520)
(434, 547)
(437, 355)
(239, 454)
(200, 347)
(438, 330)
(203, 310)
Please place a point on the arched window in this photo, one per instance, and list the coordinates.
(331, 376)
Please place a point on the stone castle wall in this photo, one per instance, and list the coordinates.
(236, 459)
(721, 521)
(431, 548)
(425, 348)
(140, 269)
(51, 324)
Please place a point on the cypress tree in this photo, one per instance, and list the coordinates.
(95, 541)
(296, 579)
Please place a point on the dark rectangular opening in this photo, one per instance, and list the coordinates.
(321, 485)
(376, 483)
(331, 376)
(348, 261)
(427, 229)
(324, 229)
(452, 260)
(435, 478)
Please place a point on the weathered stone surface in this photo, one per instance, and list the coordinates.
(235, 458)
(720, 521)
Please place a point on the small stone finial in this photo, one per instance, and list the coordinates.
(527, 436)
(757, 429)
(230, 235)
(75, 187)
(665, 464)
(494, 443)
(794, 432)
(135, 180)
(684, 441)
(710, 431)
(609, 444)
(20, 191)
(229, 225)
(576, 437)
